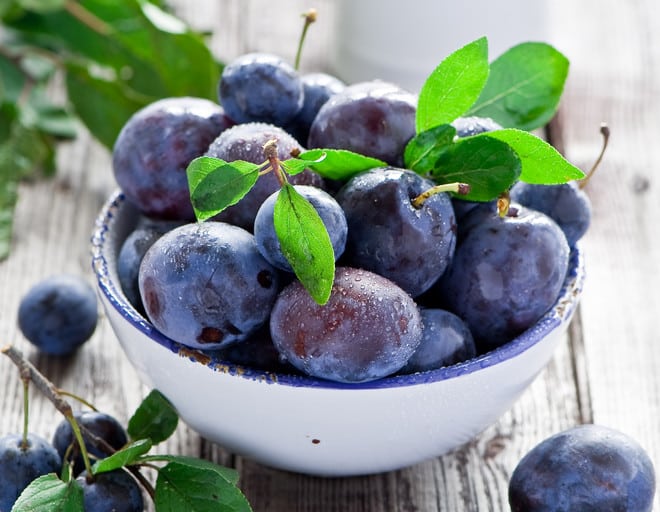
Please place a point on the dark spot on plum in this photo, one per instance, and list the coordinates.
(232, 329)
(299, 346)
(210, 335)
(265, 278)
(316, 441)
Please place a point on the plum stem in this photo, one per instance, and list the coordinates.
(605, 132)
(457, 188)
(270, 152)
(310, 17)
(25, 377)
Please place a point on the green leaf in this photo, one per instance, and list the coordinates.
(193, 489)
(524, 86)
(42, 5)
(103, 105)
(541, 162)
(338, 164)
(48, 493)
(12, 80)
(229, 474)
(423, 150)
(216, 185)
(293, 166)
(305, 243)
(127, 455)
(453, 86)
(154, 419)
(488, 165)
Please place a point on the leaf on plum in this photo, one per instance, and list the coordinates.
(524, 86)
(541, 163)
(338, 164)
(48, 493)
(423, 150)
(453, 86)
(215, 184)
(488, 165)
(305, 243)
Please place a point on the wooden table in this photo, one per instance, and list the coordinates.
(606, 371)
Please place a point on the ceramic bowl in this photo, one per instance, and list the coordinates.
(318, 427)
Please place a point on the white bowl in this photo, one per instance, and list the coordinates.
(319, 427)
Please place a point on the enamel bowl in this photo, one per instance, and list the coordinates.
(317, 427)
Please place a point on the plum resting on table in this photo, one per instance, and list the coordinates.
(100, 424)
(205, 285)
(58, 314)
(114, 491)
(368, 329)
(20, 465)
(588, 468)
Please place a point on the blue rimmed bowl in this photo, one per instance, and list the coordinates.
(319, 427)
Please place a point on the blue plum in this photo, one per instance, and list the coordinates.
(114, 491)
(154, 148)
(505, 274)
(446, 340)
(100, 424)
(58, 314)
(246, 142)
(590, 468)
(261, 87)
(130, 256)
(20, 465)
(325, 205)
(368, 329)
(205, 285)
(388, 235)
(318, 89)
(373, 118)
(566, 203)
(474, 125)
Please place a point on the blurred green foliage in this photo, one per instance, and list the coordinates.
(111, 57)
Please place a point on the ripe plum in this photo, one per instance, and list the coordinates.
(388, 235)
(373, 118)
(205, 284)
(326, 206)
(368, 329)
(154, 148)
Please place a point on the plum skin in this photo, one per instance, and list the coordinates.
(505, 274)
(388, 235)
(206, 285)
(58, 314)
(325, 205)
(367, 330)
(155, 146)
(590, 468)
(114, 491)
(19, 466)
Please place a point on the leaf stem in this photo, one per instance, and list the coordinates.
(26, 402)
(87, 18)
(457, 188)
(605, 132)
(76, 397)
(310, 17)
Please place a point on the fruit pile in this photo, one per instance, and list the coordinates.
(351, 232)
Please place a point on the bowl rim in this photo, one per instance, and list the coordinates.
(561, 311)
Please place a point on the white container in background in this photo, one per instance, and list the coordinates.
(403, 41)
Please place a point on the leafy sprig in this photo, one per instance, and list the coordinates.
(520, 90)
(114, 58)
(182, 483)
